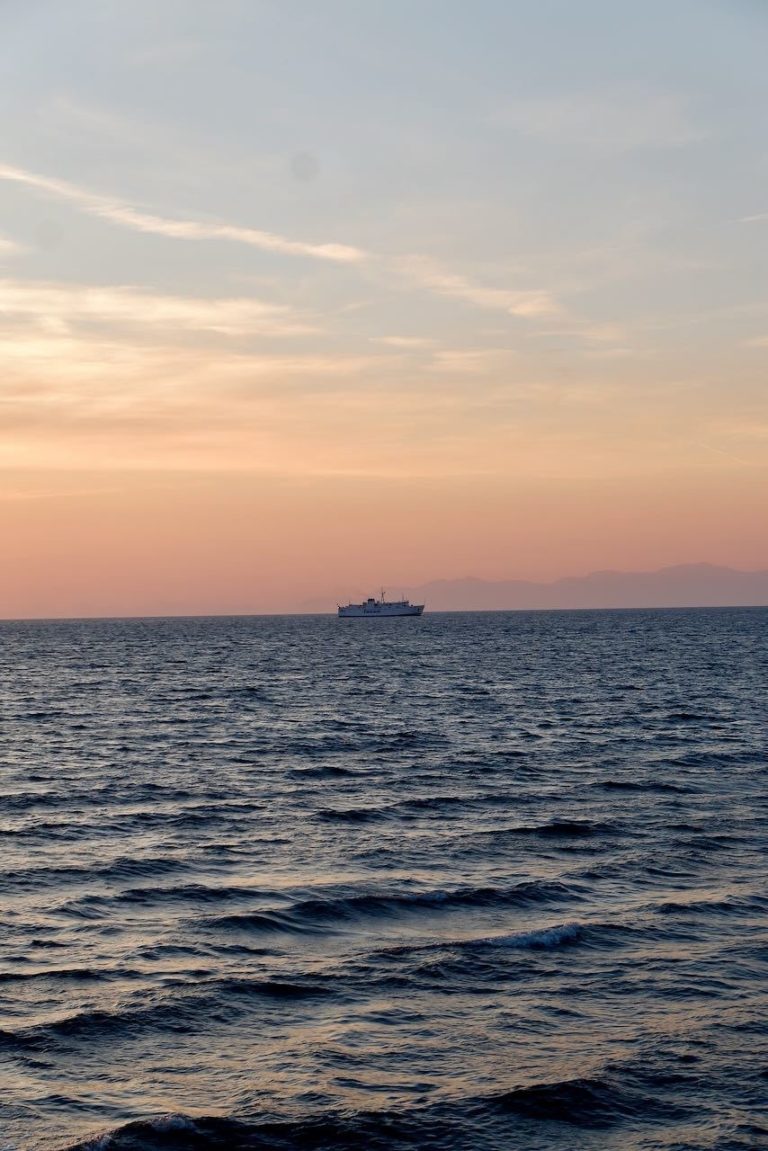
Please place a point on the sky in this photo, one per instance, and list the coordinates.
(303, 297)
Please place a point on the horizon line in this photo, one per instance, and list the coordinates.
(332, 614)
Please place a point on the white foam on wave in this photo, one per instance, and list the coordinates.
(174, 1122)
(169, 1122)
(98, 1143)
(544, 938)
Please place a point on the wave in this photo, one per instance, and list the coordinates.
(351, 814)
(597, 935)
(650, 785)
(89, 906)
(540, 939)
(729, 905)
(72, 828)
(268, 988)
(587, 1103)
(689, 717)
(125, 867)
(554, 829)
(317, 913)
(707, 759)
(211, 1133)
(618, 1093)
(76, 974)
(545, 939)
(429, 802)
(569, 828)
(78, 798)
(522, 894)
(253, 692)
(177, 1013)
(322, 771)
(262, 921)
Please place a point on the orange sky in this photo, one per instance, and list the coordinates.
(272, 330)
(114, 543)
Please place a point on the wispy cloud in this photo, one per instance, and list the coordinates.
(13, 495)
(90, 401)
(529, 303)
(405, 343)
(58, 306)
(9, 247)
(119, 212)
(84, 401)
(727, 454)
(38, 361)
(599, 335)
(54, 305)
(469, 361)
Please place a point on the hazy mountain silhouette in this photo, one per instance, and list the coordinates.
(685, 585)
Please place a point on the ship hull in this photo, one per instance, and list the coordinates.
(379, 610)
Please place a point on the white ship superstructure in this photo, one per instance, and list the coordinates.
(379, 608)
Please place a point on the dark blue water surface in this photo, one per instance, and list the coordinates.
(477, 881)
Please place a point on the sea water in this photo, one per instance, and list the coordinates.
(475, 881)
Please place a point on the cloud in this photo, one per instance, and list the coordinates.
(37, 362)
(57, 307)
(589, 333)
(469, 361)
(9, 247)
(406, 343)
(241, 317)
(530, 303)
(118, 212)
(90, 401)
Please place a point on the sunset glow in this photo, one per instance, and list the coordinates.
(311, 298)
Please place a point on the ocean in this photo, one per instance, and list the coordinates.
(471, 882)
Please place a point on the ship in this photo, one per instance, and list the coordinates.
(379, 608)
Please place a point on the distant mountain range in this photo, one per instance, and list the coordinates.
(685, 585)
